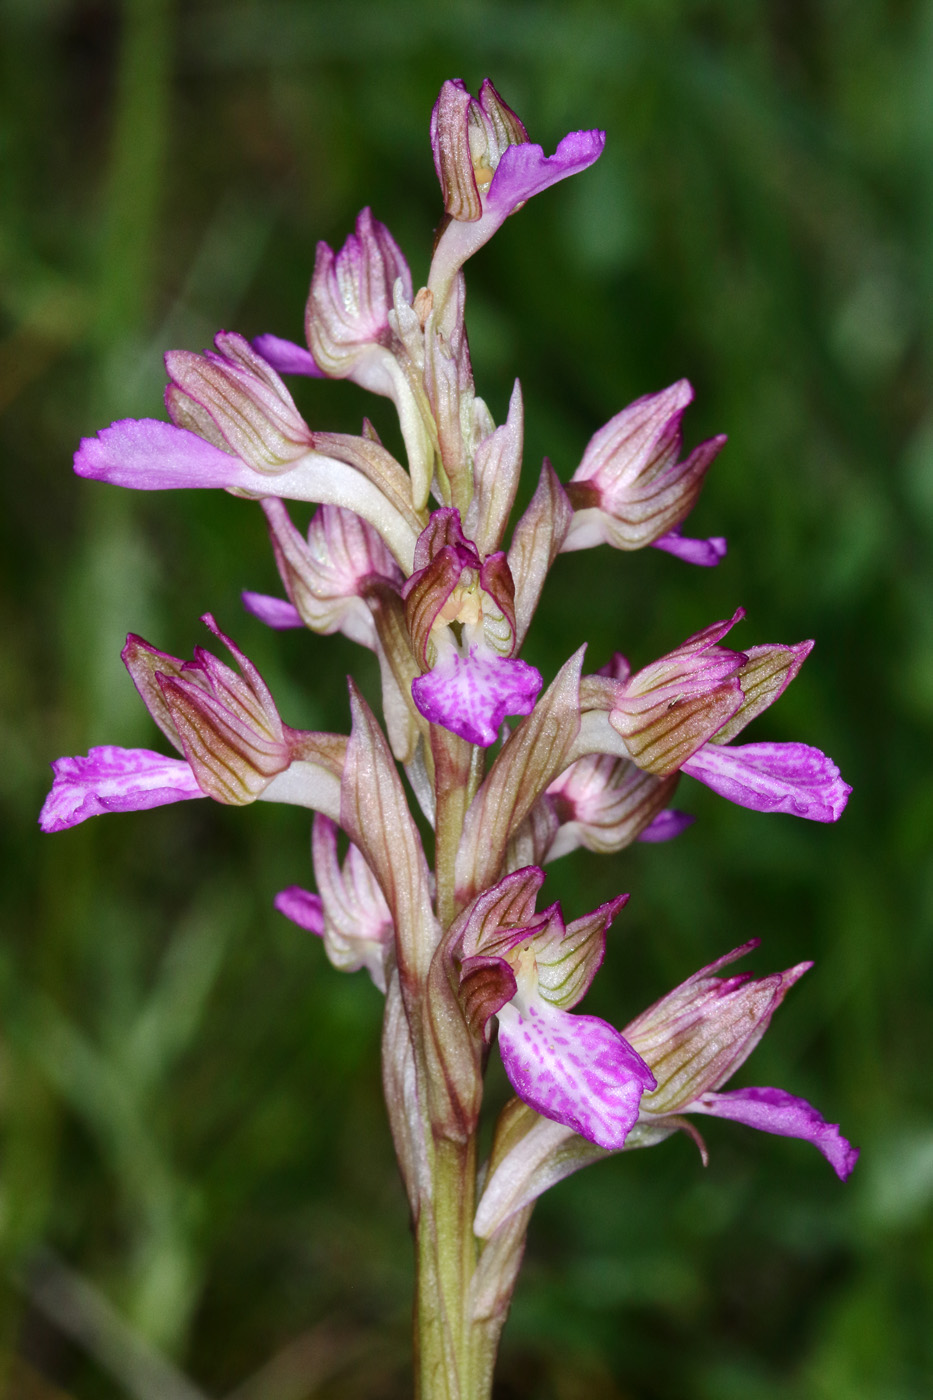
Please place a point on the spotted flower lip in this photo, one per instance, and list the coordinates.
(796, 779)
(528, 969)
(112, 779)
(470, 682)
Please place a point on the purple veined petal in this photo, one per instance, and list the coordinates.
(150, 455)
(111, 779)
(472, 695)
(577, 1070)
(286, 357)
(302, 907)
(525, 170)
(666, 825)
(776, 1111)
(277, 613)
(793, 778)
(706, 553)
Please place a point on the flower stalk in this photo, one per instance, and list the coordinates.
(508, 769)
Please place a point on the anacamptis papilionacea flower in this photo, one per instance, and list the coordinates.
(416, 561)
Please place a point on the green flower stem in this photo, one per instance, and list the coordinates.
(455, 767)
(454, 1354)
(449, 1347)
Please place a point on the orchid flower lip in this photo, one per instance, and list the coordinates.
(112, 779)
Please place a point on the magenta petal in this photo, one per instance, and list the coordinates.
(525, 170)
(274, 612)
(150, 455)
(776, 1111)
(112, 779)
(471, 696)
(706, 553)
(667, 825)
(793, 778)
(286, 357)
(302, 907)
(576, 1070)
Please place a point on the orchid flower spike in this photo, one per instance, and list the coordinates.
(445, 599)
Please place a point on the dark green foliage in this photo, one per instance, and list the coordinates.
(190, 1099)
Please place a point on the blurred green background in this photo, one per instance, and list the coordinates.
(198, 1194)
